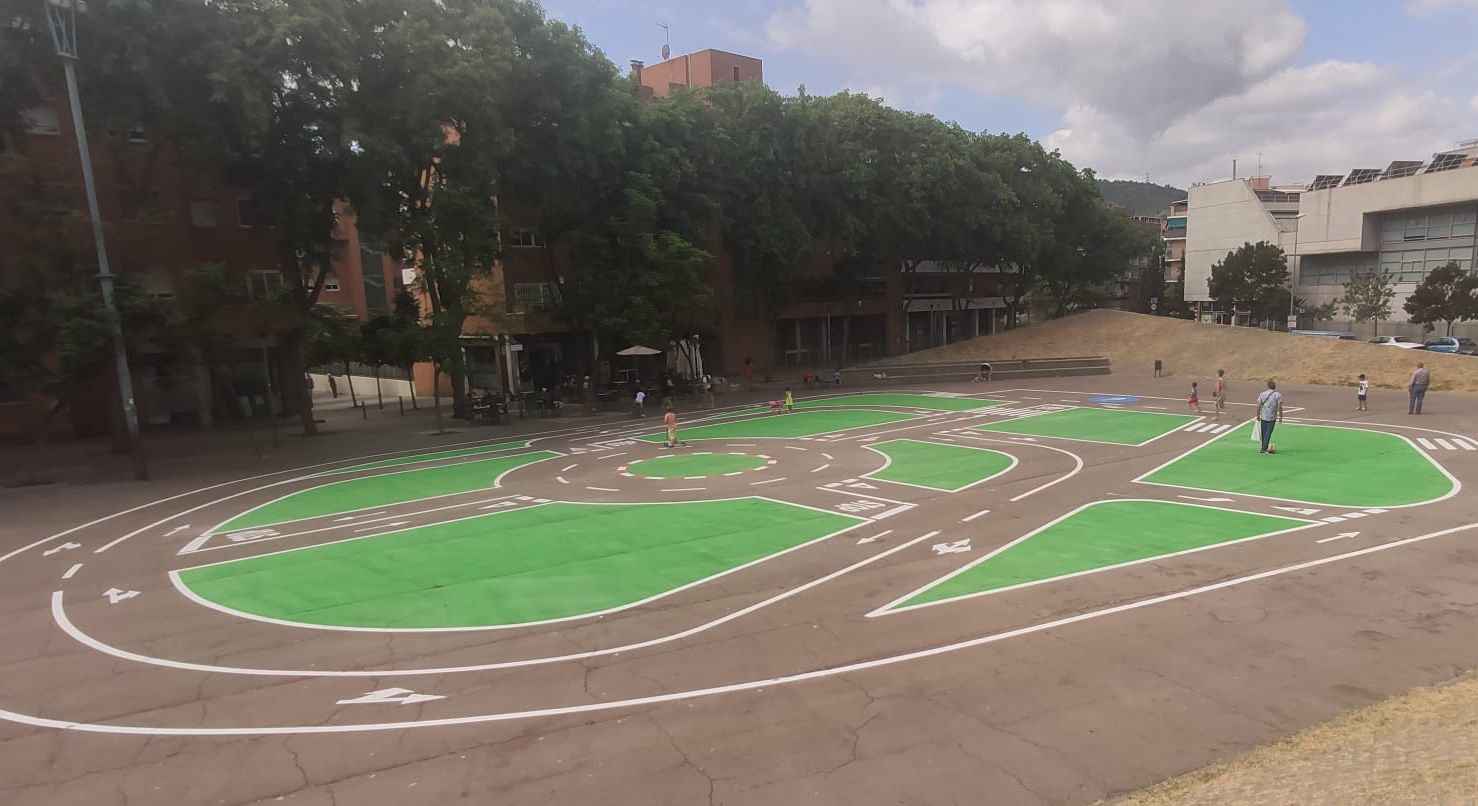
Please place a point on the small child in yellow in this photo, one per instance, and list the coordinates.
(789, 401)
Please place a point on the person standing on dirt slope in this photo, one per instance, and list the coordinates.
(1420, 380)
(1269, 413)
(1219, 393)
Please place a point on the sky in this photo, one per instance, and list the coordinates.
(1130, 88)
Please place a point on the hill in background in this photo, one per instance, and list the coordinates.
(1143, 198)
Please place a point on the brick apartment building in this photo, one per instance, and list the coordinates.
(194, 220)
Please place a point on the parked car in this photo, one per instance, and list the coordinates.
(1398, 341)
(1449, 344)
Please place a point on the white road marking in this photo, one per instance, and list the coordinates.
(604, 489)
(72, 571)
(878, 536)
(1445, 444)
(177, 530)
(391, 696)
(819, 469)
(68, 546)
(568, 468)
(955, 547)
(1333, 519)
(1302, 510)
(381, 526)
(561, 479)
(766, 481)
(613, 455)
(1213, 500)
(683, 489)
(969, 518)
(1340, 536)
(114, 595)
(828, 457)
(1426, 443)
(1464, 444)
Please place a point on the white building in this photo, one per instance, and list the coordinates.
(1405, 220)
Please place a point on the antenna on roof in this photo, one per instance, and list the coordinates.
(666, 41)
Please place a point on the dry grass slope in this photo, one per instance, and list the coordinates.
(1134, 341)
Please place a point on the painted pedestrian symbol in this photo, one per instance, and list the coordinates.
(1113, 399)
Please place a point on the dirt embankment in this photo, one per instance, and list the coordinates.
(1416, 748)
(1133, 342)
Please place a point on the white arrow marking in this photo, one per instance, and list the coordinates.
(1212, 500)
(500, 504)
(250, 534)
(62, 547)
(952, 548)
(1340, 536)
(1299, 510)
(382, 526)
(177, 530)
(386, 696)
(115, 596)
(877, 536)
(861, 485)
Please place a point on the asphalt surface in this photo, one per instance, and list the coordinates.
(781, 682)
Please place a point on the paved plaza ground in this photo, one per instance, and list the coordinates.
(1058, 591)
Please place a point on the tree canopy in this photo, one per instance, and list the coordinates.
(1254, 278)
(1447, 294)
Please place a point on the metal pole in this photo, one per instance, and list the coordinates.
(105, 277)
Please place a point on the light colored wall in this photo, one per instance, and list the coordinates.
(1222, 217)
(1336, 220)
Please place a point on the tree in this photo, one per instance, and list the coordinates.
(333, 337)
(1255, 278)
(1097, 246)
(1446, 294)
(1367, 298)
(1173, 303)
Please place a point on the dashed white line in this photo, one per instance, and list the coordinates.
(828, 457)
(819, 469)
(766, 481)
(569, 468)
(382, 526)
(73, 570)
(603, 489)
(684, 489)
(561, 480)
(1445, 444)
(1426, 443)
(969, 518)
(613, 455)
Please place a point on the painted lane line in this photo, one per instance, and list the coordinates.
(177, 530)
(1199, 498)
(382, 526)
(1464, 444)
(604, 489)
(828, 457)
(969, 518)
(888, 513)
(766, 481)
(68, 546)
(1340, 536)
(1426, 443)
(561, 480)
(1445, 444)
(1376, 511)
(1333, 519)
(391, 696)
(500, 505)
(193, 547)
(59, 615)
(821, 468)
(795, 448)
(568, 468)
(1353, 515)
(72, 571)
(1156, 408)
(741, 444)
(613, 455)
(878, 536)
(684, 489)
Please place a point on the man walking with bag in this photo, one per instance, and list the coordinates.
(1420, 380)
(1269, 414)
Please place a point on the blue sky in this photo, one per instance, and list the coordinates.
(1169, 89)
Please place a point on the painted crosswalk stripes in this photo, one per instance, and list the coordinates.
(1440, 444)
(1207, 428)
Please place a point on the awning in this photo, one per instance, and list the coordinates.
(639, 350)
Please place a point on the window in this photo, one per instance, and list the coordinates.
(263, 283)
(204, 214)
(524, 237)
(1335, 269)
(249, 215)
(1411, 265)
(41, 120)
(1428, 226)
(536, 296)
(330, 283)
(736, 72)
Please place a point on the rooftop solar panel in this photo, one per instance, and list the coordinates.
(1361, 176)
(1444, 162)
(1326, 181)
(1401, 168)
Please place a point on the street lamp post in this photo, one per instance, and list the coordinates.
(61, 17)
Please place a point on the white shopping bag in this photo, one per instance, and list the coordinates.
(1256, 430)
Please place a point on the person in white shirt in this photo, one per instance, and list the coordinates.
(638, 404)
(1362, 388)
(1269, 413)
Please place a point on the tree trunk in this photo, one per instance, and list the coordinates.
(379, 395)
(410, 372)
(436, 397)
(846, 335)
(294, 387)
(349, 379)
(204, 397)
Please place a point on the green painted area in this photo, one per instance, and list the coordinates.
(900, 401)
(938, 467)
(681, 465)
(1098, 425)
(430, 457)
(383, 490)
(799, 424)
(1103, 535)
(1346, 467)
(544, 562)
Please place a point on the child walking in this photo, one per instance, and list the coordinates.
(1194, 403)
(789, 401)
(1362, 389)
(669, 420)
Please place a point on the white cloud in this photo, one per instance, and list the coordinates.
(1175, 91)
(1474, 103)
